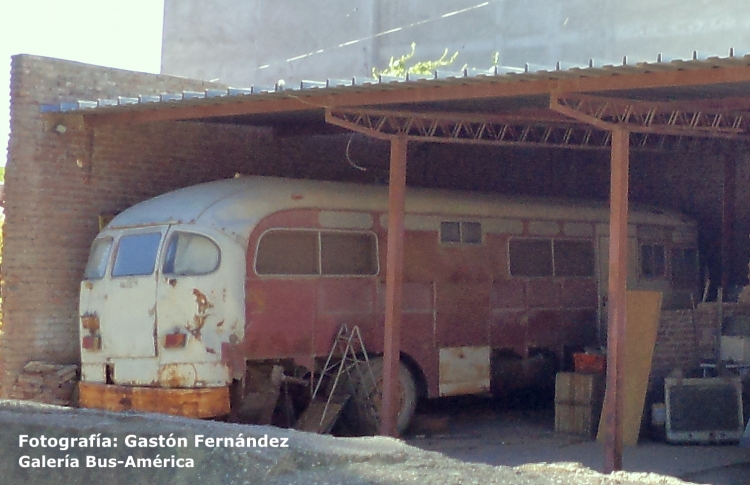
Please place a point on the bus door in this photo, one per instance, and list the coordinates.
(127, 311)
(191, 304)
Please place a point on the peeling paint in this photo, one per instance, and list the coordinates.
(202, 301)
(199, 319)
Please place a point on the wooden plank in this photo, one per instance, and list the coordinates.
(643, 311)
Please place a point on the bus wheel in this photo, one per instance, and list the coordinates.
(361, 415)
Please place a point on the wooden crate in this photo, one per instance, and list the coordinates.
(574, 387)
(578, 402)
(582, 419)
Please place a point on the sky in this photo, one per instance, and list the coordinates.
(124, 34)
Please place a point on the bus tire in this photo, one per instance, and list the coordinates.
(358, 413)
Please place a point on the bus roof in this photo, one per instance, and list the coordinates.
(236, 205)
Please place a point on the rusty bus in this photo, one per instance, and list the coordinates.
(194, 294)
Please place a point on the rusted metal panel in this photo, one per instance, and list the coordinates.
(346, 296)
(577, 293)
(543, 292)
(192, 403)
(345, 220)
(509, 293)
(275, 328)
(464, 370)
(509, 329)
(463, 313)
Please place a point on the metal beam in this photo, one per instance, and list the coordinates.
(679, 118)
(393, 286)
(618, 272)
(540, 129)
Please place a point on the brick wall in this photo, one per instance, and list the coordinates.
(685, 337)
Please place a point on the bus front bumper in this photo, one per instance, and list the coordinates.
(206, 402)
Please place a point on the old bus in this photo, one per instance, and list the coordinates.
(194, 294)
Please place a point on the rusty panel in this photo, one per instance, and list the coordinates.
(578, 293)
(509, 294)
(543, 292)
(345, 295)
(551, 328)
(463, 314)
(344, 301)
(508, 330)
(417, 298)
(279, 317)
(464, 370)
(193, 403)
(422, 262)
(417, 341)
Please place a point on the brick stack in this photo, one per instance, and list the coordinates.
(48, 382)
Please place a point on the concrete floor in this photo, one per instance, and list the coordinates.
(483, 431)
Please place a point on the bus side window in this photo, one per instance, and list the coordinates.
(345, 253)
(98, 258)
(287, 252)
(574, 258)
(190, 254)
(652, 260)
(463, 232)
(530, 257)
(684, 266)
(136, 254)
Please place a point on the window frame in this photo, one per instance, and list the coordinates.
(107, 258)
(666, 253)
(319, 253)
(167, 243)
(157, 254)
(461, 231)
(552, 242)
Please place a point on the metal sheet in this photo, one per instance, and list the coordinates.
(464, 370)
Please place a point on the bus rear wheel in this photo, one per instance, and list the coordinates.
(362, 412)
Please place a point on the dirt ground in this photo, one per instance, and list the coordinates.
(261, 458)
(482, 430)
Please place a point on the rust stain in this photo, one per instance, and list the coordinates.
(199, 319)
(256, 300)
(202, 301)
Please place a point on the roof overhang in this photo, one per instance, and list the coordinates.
(681, 98)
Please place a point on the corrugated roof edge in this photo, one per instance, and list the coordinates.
(509, 73)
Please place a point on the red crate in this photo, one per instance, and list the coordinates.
(590, 363)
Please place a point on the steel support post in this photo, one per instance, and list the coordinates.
(393, 285)
(618, 274)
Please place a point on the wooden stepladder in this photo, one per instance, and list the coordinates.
(346, 374)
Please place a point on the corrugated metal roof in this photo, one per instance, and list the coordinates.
(497, 74)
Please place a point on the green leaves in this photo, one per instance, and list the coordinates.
(401, 66)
